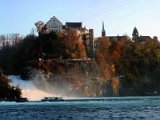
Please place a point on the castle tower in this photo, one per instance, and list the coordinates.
(103, 30)
(91, 39)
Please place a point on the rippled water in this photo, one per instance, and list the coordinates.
(125, 108)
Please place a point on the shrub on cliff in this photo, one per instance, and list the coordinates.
(8, 92)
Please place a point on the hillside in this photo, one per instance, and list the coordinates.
(120, 68)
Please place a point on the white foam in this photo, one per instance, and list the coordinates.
(29, 90)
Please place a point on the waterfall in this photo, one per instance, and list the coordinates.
(29, 90)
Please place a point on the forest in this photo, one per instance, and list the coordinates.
(125, 67)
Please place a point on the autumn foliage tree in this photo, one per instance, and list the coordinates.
(106, 67)
(74, 47)
(8, 92)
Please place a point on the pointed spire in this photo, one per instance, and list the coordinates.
(103, 26)
(135, 34)
(103, 30)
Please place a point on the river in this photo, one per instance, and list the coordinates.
(112, 108)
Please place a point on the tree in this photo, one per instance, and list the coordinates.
(74, 44)
(102, 49)
(8, 92)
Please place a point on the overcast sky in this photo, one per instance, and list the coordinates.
(119, 16)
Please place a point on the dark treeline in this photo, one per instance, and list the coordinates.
(121, 67)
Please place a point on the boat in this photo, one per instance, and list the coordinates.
(52, 99)
(22, 100)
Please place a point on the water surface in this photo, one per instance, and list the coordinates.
(114, 108)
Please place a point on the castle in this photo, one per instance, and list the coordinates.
(55, 25)
(87, 35)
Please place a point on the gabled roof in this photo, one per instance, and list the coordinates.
(74, 24)
(53, 18)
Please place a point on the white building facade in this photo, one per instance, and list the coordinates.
(54, 25)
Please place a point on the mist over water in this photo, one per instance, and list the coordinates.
(69, 85)
(29, 90)
(42, 85)
(52, 84)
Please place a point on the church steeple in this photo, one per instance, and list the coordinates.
(103, 30)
